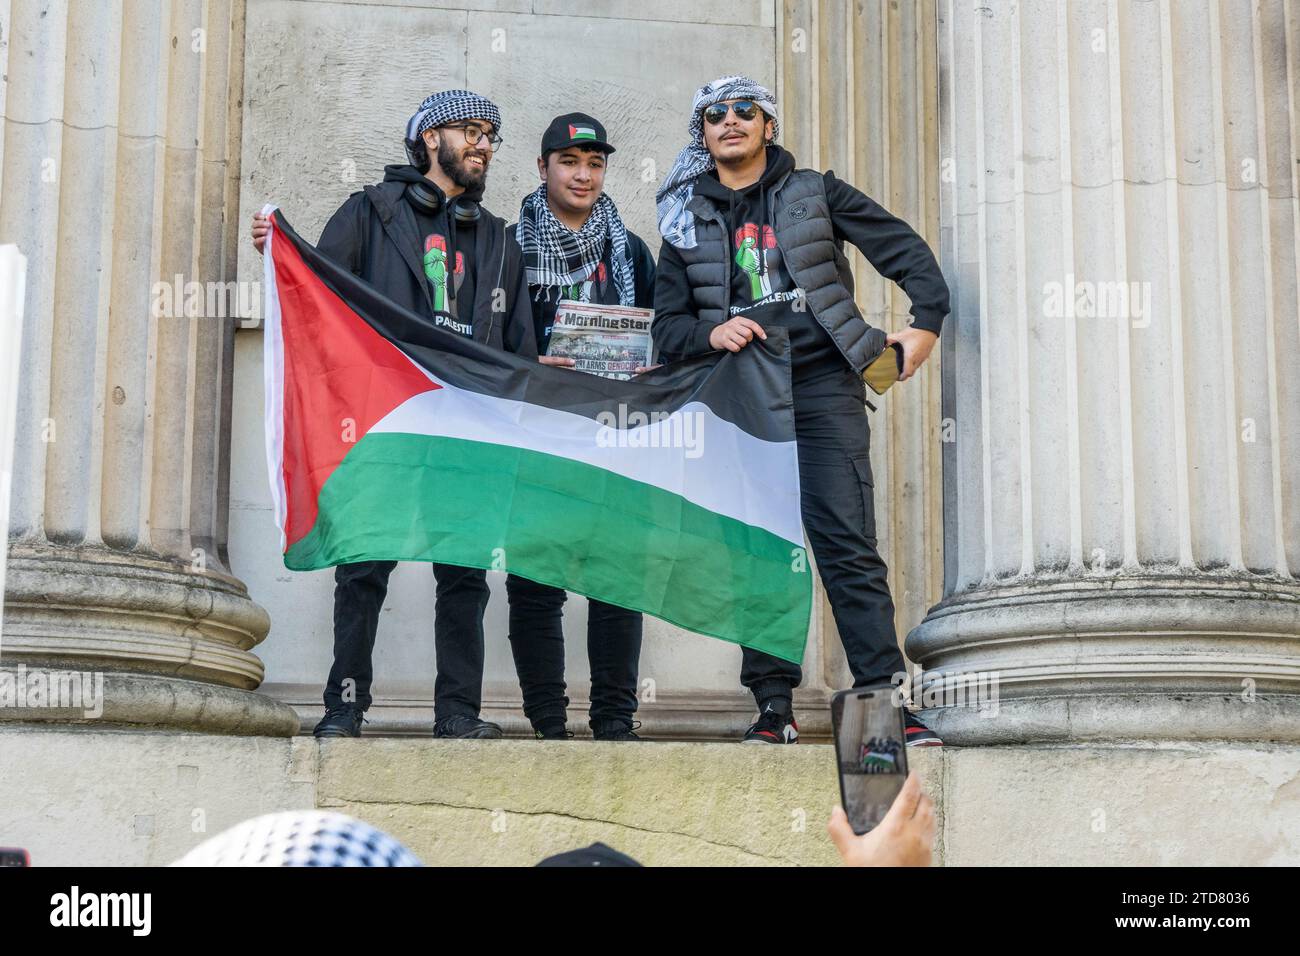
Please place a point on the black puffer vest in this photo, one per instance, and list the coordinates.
(801, 218)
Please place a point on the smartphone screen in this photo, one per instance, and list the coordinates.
(12, 856)
(869, 747)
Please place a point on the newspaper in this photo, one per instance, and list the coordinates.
(608, 340)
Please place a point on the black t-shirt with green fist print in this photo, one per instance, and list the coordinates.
(450, 276)
(761, 287)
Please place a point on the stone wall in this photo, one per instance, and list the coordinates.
(320, 120)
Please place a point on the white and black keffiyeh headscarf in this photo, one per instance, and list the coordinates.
(301, 838)
(450, 106)
(676, 222)
(555, 255)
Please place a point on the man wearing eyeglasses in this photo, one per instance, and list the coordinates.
(751, 242)
(423, 239)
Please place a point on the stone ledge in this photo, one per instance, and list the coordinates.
(136, 798)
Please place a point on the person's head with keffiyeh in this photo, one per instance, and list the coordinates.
(568, 225)
(460, 130)
(732, 119)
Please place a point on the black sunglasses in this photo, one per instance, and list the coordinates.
(744, 109)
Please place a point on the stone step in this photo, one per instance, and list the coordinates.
(137, 798)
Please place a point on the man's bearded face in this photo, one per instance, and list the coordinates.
(466, 165)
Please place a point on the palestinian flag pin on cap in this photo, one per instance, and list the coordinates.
(574, 129)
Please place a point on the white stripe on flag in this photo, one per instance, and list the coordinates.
(273, 378)
(735, 474)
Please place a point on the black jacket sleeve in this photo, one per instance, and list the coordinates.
(518, 335)
(643, 269)
(343, 237)
(678, 333)
(893, 248)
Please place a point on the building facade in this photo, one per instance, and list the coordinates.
(1091, 491)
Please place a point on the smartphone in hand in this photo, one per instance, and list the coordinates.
(870, 751)
(885, 369)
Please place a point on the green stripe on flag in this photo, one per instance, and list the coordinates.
(399, 496)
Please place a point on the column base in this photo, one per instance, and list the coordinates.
(1109, 718)
(102, 700)
(92, 608)
(1116, 658)
(125, 639)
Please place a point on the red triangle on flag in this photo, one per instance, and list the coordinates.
(340, 378)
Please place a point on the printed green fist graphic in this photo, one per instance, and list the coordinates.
(435, 267)
(747, 259)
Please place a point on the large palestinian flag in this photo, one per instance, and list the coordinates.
(676, 494)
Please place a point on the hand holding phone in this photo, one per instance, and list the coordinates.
(870, 748)
(885, 369)
(904, 838)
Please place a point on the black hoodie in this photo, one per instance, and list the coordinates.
(432, 264)
(889, 244)
(761, 287)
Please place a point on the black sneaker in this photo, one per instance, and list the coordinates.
(343, 720)
(615, 729)
(919, 735)
(466, 727)
(775, 725)
(552, 730)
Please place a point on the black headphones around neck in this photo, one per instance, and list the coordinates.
(429, 199)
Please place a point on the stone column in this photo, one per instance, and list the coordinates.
(116, 172)
(13, 272)
(1122, 497)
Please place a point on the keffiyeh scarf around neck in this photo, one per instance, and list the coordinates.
(555, 255)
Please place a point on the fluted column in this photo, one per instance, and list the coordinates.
(1122, 495)
(13, 274)
(115, 178)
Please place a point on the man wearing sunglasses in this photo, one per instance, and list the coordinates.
(423, 239)
(751, 242)
(575, 246)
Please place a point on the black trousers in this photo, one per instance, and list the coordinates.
(537, 642)
(839, 517)
(461, 598)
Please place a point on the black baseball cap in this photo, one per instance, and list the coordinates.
(598, 854)
(574, 129)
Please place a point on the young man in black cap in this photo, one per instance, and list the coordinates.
(423, 239)
(575, 246)
(750, 241)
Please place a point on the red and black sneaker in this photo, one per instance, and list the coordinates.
(919, 735)
(775, 725)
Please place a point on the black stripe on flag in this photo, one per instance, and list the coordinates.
(750, 389)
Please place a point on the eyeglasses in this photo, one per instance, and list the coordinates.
(475, 133)
(744, 109)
